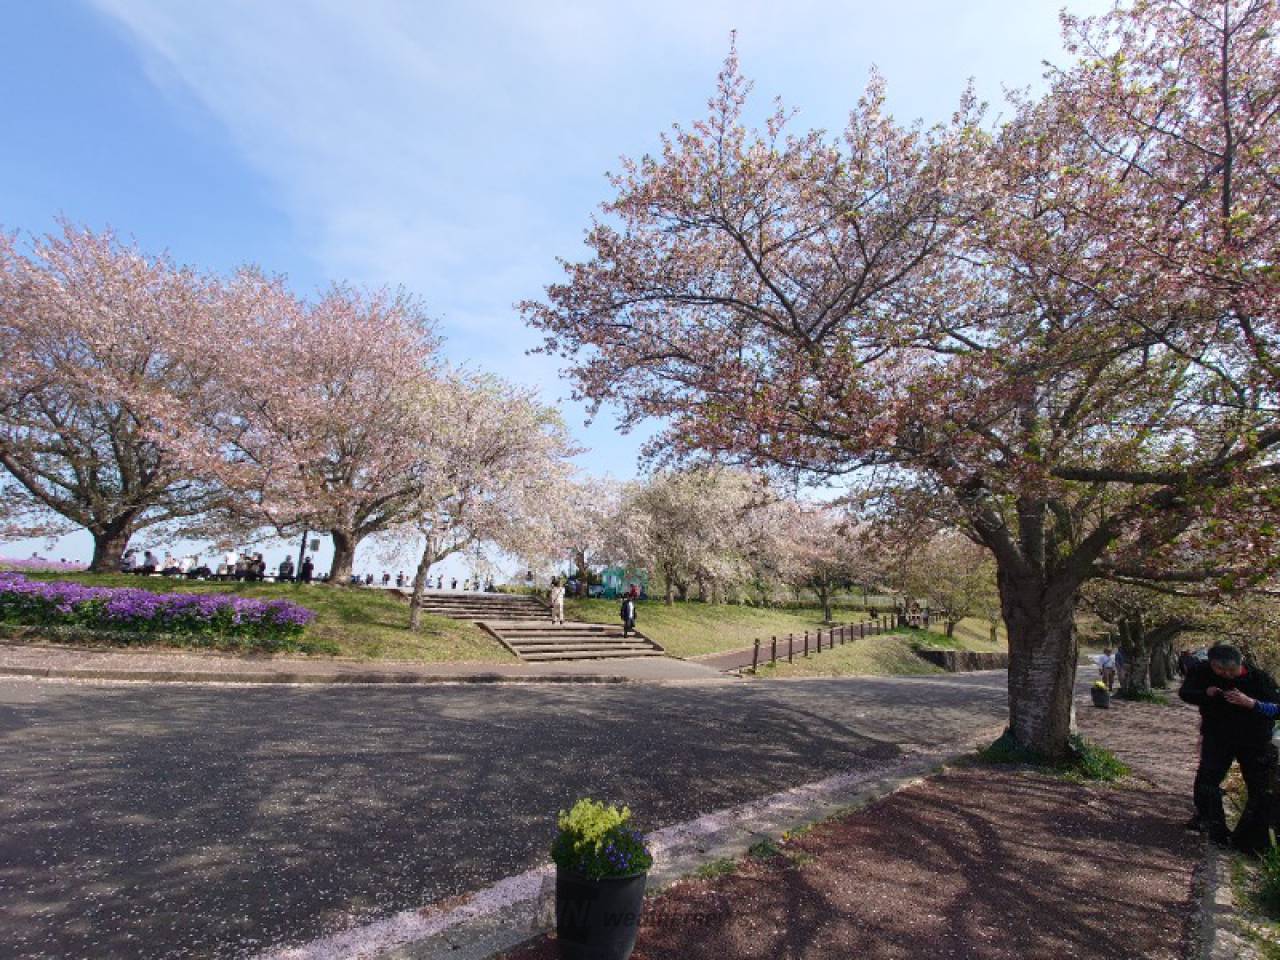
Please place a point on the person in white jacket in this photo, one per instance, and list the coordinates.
(557, 601)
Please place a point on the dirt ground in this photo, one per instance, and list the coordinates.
(976, 863)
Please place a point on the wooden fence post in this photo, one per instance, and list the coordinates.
(755, 655)
(806, 643)
(791, 648)
(773, 660)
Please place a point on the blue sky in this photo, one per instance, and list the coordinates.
(453, 148)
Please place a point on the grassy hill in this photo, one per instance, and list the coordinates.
(692, 629)
(373, 624)
(891, 655)
(362, 623)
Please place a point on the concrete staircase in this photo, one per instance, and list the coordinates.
(548, 641)
(523, 625)
(465, 605)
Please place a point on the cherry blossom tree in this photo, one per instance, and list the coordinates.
(584, 526)
(497, 475)
(1060, 338)
(324, 409)
(820, 552)
(1146, 623)
(685, 527)
(88, 327)
(956, 576)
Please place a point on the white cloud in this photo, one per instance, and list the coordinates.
(458, 148)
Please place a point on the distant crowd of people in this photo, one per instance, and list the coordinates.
(403, 582)
(251, 567)
(232, 565)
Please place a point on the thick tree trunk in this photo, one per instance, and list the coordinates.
(668, 596)
(344, 556)
(584, 573)
(109, 547)
(420, 586)
(1042, 664)
(824, 595)
(951, 627)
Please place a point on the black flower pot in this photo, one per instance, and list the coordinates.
(598, 919)
(1101, 697)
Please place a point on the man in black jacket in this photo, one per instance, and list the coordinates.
(1238, 705)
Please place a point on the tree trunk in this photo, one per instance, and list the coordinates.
(1042, 664)
(420, 585)
(951, 627)
(584, 572)
(668, 596)
(109, 547)
(824, 594)
(1160, 655)
(1136, 646)
(344, 556)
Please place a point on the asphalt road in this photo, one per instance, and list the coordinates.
(195, 821)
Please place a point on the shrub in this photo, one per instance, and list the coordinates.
(595, 841)
(271, 624)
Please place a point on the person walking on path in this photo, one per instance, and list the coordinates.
(557, 601)
(628, 613)
(1238, 706)
(1106, 668)
(308, 571)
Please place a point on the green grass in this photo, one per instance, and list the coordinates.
(765, 849)
(887, 655)
(1145, 696)
(690, 629)
(884, 656)
(361, 623)
(1088, 761)
(694, 629)
(722, 867)
(1253, 883)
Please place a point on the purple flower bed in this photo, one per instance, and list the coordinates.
(269, 624)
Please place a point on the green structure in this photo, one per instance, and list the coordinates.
(616, 581)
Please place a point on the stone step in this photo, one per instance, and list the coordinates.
(491, 613)
(544, 640)
(487, 615)
(483, 601)
(538, 626)
(591, 655)
(492, 604)
(549, 636)
(524, 645)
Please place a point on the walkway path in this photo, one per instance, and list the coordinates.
(33, 660)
